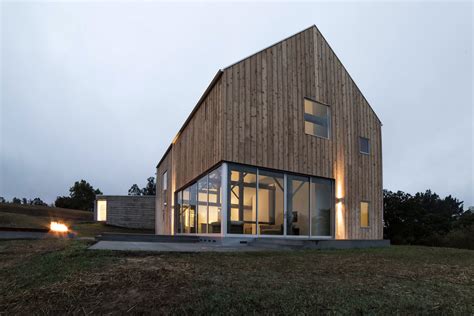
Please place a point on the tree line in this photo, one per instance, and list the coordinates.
(24, 201)
(82, 196)
(427, 219)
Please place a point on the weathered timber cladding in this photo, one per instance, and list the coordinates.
(199, 146)
(254, 114)
(130, 211)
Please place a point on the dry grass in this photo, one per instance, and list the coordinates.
(46, 211)
(26, 216)
(398, 280)
(96, 228)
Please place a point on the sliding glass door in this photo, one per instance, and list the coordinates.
(297, 212)
(321, 201)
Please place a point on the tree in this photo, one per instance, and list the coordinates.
(2, 199)
(24, 201)
(420, 219)
(64, 202)
(81, 196)
(38, 201)
(134, 190)
(150, 188)
(16, 200)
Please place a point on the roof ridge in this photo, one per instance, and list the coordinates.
(274, 44)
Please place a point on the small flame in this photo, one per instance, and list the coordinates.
(58, 227)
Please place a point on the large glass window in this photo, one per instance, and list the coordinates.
(321, 205)
(189, 209)
(185, 211)
(297, 217)
(243, 201)
(317, 118)
(202, 205)
(270, 203)
(256, 204)
(215, 201)
(179, 212)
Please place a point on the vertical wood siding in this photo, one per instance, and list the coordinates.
(254, 114)
(199, 146)
(263, 113)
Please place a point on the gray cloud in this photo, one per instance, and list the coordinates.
(98, 90)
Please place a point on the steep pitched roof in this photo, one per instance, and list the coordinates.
(220, 72)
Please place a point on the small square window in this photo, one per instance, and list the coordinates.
(364, 145)
(364, 214)
(317, 118)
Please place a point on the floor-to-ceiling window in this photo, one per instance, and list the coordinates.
(179, 212)
(202, 195)
(242, 217)
(270, 203)
(297, 216)
(259, 202)
(198, 206)
(189, 209)
(215, 201)
(321, 205)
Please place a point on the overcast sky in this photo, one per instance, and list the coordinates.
(97, 91)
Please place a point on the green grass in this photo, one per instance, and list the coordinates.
(64, 277)
(64, 260)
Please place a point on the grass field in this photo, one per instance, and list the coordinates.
(81, 222)
(61, 276)
(32, 216)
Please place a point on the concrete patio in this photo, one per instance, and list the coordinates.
(172, 247)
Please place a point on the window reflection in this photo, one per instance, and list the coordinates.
(270, 203)
(243, 201)
(321, 201)
(215, 201)
(297, 217)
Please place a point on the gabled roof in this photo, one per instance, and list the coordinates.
(221, 71)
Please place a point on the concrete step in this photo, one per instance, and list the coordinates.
(147, 237)
(277, 243)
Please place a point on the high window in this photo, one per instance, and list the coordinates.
(165, 181)
(164, 187)
(364, 214)
(364, 145)
(317, 118)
